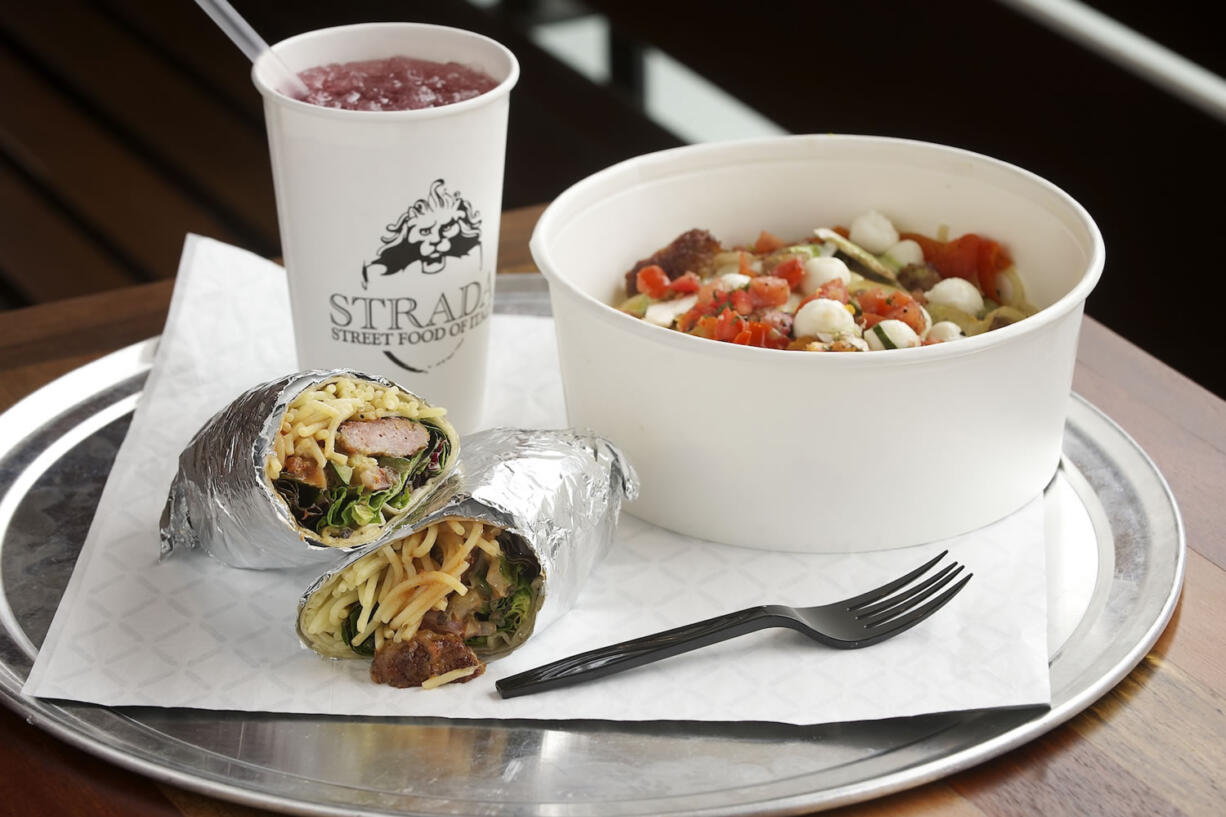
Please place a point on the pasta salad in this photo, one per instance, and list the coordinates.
(866, 287)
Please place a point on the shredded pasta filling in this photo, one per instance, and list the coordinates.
(351, 454)
(448, 594)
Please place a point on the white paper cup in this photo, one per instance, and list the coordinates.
(389, 219)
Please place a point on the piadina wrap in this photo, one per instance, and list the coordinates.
(297, 468)
(502, 550)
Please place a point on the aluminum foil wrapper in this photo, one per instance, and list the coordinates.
(221, 501)
(561, 491)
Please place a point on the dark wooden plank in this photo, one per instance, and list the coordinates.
(182, 35)
(206, 148)
(1193, 641)
(111, 189)
(99, 323)
(52, 779)
(1182, 758)
(1060, 775)
(43, 255)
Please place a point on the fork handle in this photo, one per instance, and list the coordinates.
(639, 651)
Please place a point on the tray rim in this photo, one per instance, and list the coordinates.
(66, 725)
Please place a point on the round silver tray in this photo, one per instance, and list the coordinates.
(56, 448)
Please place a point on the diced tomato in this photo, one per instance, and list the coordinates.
(879, 305)
(834, 289)
(707, 293)
(792, 271)
(710, 301)
(768, 291)
(930, 246)
(883, 301)
(992, 261)
(843, 231)
(992, 256)
(761, 334)
(899, 300)
(875, 301)
(741, 301)
(652, 280)
(977, 259)
(768, 243)
(911, 314)
(705, 327)
(960, 258)
(728, 325)
(686, 284)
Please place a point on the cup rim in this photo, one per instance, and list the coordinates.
(498, 92)
(628, 173)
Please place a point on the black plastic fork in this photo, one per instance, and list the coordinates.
(850, 624)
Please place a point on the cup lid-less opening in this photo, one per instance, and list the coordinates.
(372, 41)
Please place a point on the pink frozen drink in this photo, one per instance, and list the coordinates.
(393, 84)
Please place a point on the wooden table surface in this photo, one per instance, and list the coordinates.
(1153, 745)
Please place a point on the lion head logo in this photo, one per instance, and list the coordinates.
(440, 226)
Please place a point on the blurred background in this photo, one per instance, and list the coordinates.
(129, 123)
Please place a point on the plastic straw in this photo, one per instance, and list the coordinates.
(252, 44)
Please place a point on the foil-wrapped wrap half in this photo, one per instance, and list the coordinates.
(502, 550)
(297, 468)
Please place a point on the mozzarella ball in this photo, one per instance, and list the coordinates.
(819, 271)
(944, 331)
(873, 232)
(958, 293)
(823, 317)
(899, 335)
(735, 280)
(665, 312)
(903, 253)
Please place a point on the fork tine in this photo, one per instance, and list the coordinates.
(885, 605)
(895, 610)
(878, 593)
(891, 627)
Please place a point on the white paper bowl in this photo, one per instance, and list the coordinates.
(818, 452)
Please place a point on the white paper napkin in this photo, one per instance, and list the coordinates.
(190, 632)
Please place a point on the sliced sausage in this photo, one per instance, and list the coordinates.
(387, 437)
